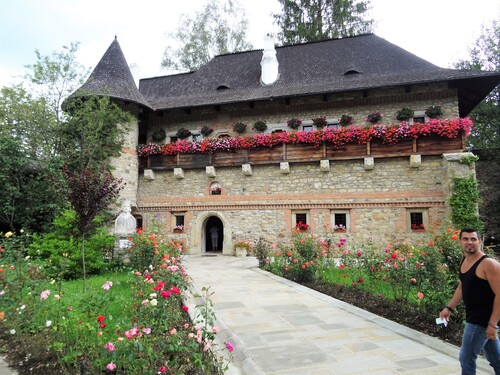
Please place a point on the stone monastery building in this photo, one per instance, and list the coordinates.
(351, 137)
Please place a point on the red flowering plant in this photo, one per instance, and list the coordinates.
(206, 130)
(294, 123)
(389, 134)
(319, 121)
(345, 120)
(374, 117)
(417, 227)
(301, 226)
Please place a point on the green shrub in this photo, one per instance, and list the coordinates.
(61, 249)
(63, 254)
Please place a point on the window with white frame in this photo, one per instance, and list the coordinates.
(340, 220)
(197, 137)
(332, 125)
(417, 219)
(418, 117)
(307, 128)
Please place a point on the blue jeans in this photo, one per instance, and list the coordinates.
(473, 341)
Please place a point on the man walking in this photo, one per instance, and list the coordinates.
(479, 288)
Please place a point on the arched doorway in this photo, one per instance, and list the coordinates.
(214, 235)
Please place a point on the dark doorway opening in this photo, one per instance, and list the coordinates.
(214, 234)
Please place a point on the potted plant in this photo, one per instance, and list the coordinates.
(206, 131)
(405, 114)
(242, 248)
(418, 227)
(374, 117)
(239, 127)
(319, 121)
(302, 227)
(260, 126)
(294, 123)
(179, 229)
(159, 135)
(434, 111)
(339, 228)
(183, 133)
(345, 120)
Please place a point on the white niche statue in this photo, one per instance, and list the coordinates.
(125, 223)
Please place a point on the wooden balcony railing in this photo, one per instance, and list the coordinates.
(295, 153)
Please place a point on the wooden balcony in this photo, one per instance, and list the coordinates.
(300, 153)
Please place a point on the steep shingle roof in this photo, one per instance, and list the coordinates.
(112, 77)
(312, 68)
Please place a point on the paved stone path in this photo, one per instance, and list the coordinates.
(281, 328)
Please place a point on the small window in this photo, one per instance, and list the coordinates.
(223, 136)
(418, 117)
(179, 220)
(333, 126)
(197, 137)
(179, 223)
(277, 131)
(301, 220)
(417, 220)
(307, 128)
(215, 188)
(173, 139)
(340, 221)
(351, 72)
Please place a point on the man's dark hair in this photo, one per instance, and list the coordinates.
(470, 230)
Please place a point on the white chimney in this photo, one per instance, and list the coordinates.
(269, 64)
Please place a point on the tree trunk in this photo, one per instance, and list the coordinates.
(83, 264)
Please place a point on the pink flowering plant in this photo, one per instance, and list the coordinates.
(388, 134)
(416, 275)
(140, 321)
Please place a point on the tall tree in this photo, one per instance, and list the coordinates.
(91, 134)
(29, 193)
(29, 120)
(31, 111)
(485, 55)
(315, 20)
(57, 76)
(219, 28)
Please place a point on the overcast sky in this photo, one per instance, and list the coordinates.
(439, 31)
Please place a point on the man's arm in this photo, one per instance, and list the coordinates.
(454, 302)
(492, 274)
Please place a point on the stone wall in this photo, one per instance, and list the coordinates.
(126, 166)
(263, 204)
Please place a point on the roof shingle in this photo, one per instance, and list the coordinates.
(308, 69)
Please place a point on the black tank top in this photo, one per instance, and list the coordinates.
(477, 295)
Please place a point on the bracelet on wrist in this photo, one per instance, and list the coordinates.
(492, 325)
(449, 308)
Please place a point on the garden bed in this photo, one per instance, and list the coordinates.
(395, 311)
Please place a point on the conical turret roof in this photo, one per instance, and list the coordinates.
(112, 77)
